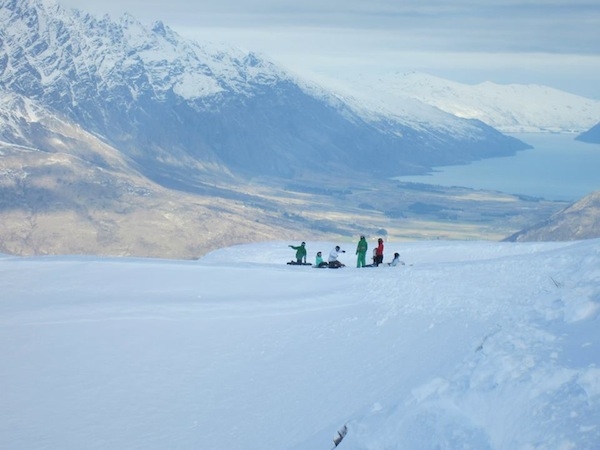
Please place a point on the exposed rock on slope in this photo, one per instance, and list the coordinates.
(581, 220)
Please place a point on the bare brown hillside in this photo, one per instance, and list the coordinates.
(581, 220)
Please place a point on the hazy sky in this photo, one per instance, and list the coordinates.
(551, 42)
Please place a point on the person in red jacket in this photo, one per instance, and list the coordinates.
(378, 259)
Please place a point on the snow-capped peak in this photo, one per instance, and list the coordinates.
(507, 107)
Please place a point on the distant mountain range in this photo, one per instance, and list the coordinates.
(122, 139)
(511, 108)
(180, 109)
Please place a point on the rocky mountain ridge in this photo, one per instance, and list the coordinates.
(119, 139)
(184, 111)
(63, 190)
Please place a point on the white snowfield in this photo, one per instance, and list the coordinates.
(470, 345)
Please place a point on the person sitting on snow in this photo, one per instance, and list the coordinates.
(396, 261)
(333, 257)
(319, 260)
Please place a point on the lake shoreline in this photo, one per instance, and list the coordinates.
(557, 168)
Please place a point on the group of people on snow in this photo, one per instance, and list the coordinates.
(361, 253)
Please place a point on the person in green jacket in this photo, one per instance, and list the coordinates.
(300, 252)
(361, 251)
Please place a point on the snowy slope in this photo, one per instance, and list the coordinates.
(511, 108)
(470, 345)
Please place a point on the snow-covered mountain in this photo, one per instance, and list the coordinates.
(510, 108)
(182, 110)
(470, 345)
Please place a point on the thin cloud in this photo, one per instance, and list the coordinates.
(539, 41)
(493, 25)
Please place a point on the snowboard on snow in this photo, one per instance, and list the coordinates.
(327, 266)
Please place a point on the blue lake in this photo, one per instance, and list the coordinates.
(557, 168)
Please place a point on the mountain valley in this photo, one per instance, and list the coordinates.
(126, 140)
